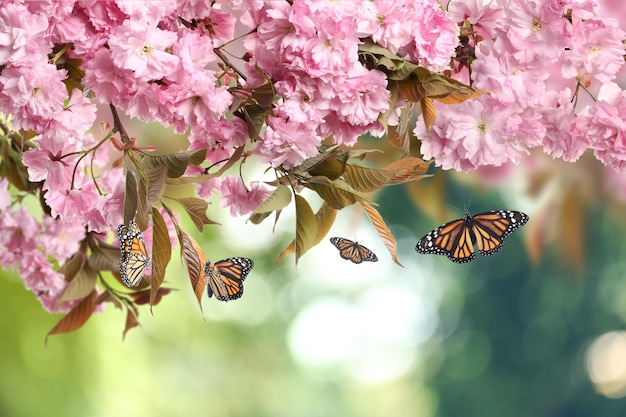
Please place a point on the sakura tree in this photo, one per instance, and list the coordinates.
(292, 85)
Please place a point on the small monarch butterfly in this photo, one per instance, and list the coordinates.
(226, 277)
(352, 251)
(134, 259)
(456, 239)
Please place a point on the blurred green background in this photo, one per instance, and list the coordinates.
(506, 335)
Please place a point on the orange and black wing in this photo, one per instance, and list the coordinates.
(352, 251)
(453, 239)
(134, 258)
(226, 277)
(493, 227)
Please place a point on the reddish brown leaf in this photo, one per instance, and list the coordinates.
(383, 231)
(429, 111)
(143, 297)
(196, 209)
(194, 259)
(132, 316)
(161, 253)
(76, 317)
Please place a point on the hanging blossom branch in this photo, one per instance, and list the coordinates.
(490, 82)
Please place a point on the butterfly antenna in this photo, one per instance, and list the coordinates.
(456, 208)
(468, 205)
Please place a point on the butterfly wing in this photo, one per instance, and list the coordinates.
(352, 251)
(491, 228)
(453, 239)
(134, 259)
(226, 277)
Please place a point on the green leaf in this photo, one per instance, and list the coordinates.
(407, 169)
(104, 257)
(325, 218)
(329, 163)
(377, 56)
(177, 163)
(336, 193)
(130, 197)
(306, 227)
(254, 116)
(264, 95)
(191, 179)
(291, 248)
(196, 209)
(81, 284)
(141, 217)
(278, 200)
(366, 179)
(161, 253)
(400, 136)
(156, 184)
(423, 83)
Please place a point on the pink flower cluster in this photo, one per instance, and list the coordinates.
(310, 50)
(149, 61)
(28, 244)
(170, 62)
(534, 58)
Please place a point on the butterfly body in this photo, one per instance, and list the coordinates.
(456, 239)
(225, 277)
(134, 258)
(352, 251)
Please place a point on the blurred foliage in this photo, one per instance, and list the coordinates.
(511, 340)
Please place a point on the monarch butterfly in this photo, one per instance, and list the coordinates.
(134, 259)
(226, 277)
(352, 251)
(456, 239)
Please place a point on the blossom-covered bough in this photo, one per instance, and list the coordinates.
(310, 79)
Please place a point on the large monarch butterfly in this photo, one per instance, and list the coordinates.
(352, 251)
(226, 277)
(456, 239)
(134, 259)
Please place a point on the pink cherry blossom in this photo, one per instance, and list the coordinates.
(362, 97)
(472, 134)
(286, 143)
(240, 199)
(61, 237)
(596, 48)
(5, 196)
(483, 16)
(509, 80)
(49, 162)
(22, 35)
(563, 138)
(206, 188)
(140, 46)
(607, 125)
(434, 40)
(534, 31)
(33, 94)
(199, 102)
(388, 23)
(18, 235)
